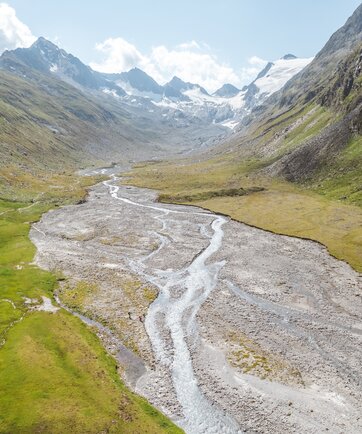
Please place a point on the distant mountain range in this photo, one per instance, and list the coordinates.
(226, 106)
(51, 101)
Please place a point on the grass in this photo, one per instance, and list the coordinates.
(342, 178)
(76, 296)
(287, 210)
(247, 355)
(55, 375)
(61, 380)
(280, 207)
(205, 195)
(315, 121)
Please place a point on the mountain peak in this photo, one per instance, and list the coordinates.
(289, 56)
(136, 70)
(42, 43)
(46, 57)
(177, 84)
(176, 80)
(227, 91)
(180, 85)
(141, 81)
(264, 71)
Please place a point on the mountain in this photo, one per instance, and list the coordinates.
(276, 74)
(310, 130)
(226, 107)
(58, 112)
(311, 81)
(182, 86)
(47, 58)
(102, 115)
(227, 91)
(229, 105)
(138, 80)
(47, 122)
(289, 56)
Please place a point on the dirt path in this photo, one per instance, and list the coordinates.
(251, 331)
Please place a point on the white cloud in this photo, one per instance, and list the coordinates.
(190, 61)
(120, 55)
(13, 33)
(192, 65)
(189, 46)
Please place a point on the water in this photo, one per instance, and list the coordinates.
(194, 282)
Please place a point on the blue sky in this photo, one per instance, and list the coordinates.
(229, 39)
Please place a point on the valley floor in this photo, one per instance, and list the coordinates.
(231, 328)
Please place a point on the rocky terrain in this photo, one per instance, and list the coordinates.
(249, 332)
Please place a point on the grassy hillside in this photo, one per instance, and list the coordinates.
(47, 123)
(55, 375)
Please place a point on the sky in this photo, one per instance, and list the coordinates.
(210, 42)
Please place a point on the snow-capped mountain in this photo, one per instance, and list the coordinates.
(277, 73)
(177, 100)
(227, 106)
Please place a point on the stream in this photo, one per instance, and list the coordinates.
(194, 282)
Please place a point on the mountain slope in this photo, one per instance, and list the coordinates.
(57, 111)
(46, 122)
(314, 117)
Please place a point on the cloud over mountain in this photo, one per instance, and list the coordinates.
(13, 32)
(191, 61)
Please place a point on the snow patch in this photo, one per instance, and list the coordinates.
(231, 124)
(53, 68)
(280, 73)
(111, 92)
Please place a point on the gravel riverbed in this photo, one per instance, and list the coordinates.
(250, 331)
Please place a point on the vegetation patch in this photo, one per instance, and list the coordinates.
(120, 306)
(230, 192)
(341, 178)
(250, 358)
(76, 296)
